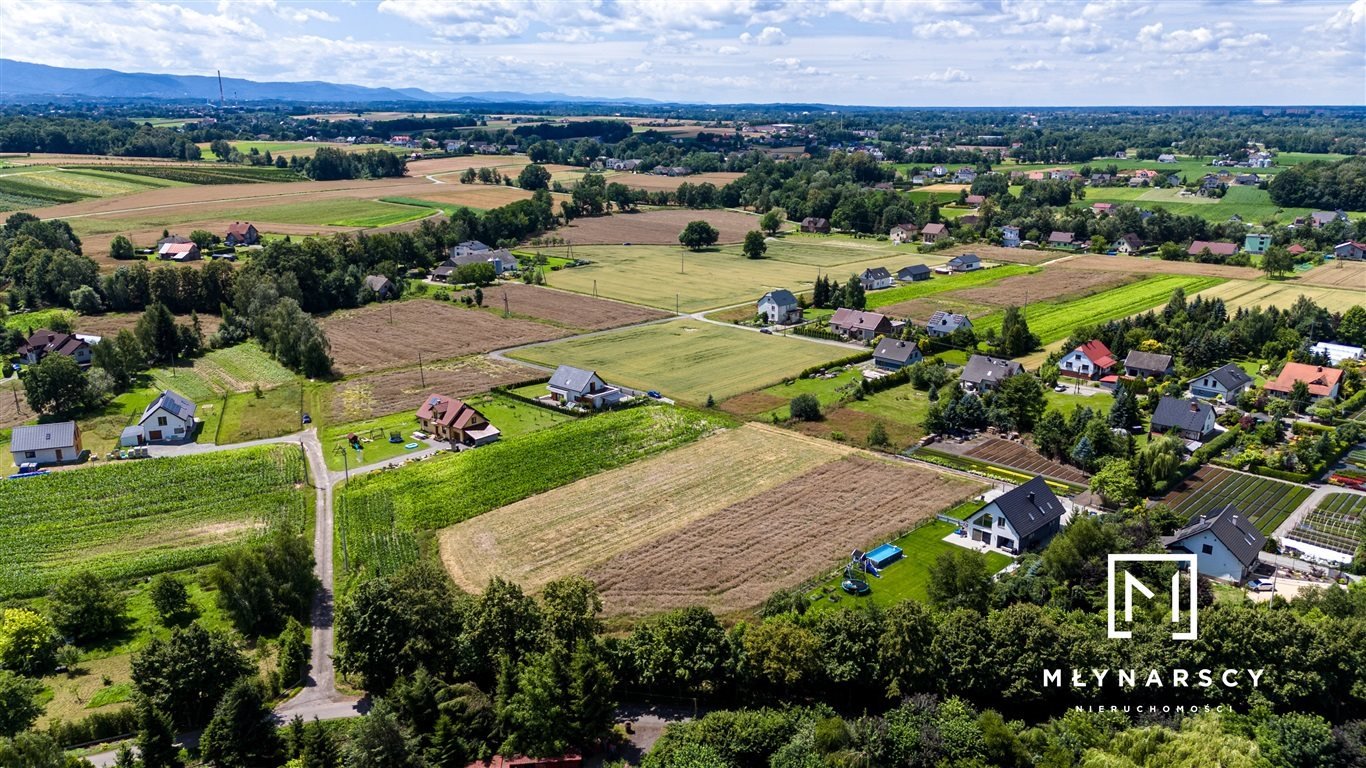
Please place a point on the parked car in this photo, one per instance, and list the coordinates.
(1258, 585)
(308, 419)
(1059, 387)
(654, 394)
(766, 330)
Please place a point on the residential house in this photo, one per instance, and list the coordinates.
(1225, 383)
(967, 262)
(1189, 419)
(1091, 360)
(173, 239)
(1197, 247)
(1145, 365)
(913, 273)
(242, 233)
(178, 252)
(1322, 381)
(168, 419)
(1257, 243)
(1061, 240)
(895, 354)
(943, 323)
(918, 181)
(780, 306)
(382, 287)
(1128, 244)
(45, 443)
(976, 200)
(964, 176)
(1101, 208)
(474, 252)
(816, 224)
(1166, 158)
(1062, 174)
(1336, 353)
(983, 372)
(932, 233)
(1296, 250)
(875, 278)
(1225, 544)
(1247, 179)
(1350, 251)
(44, 342)
(1010, 237)
(903, 233)
(576, 386)
(1021, 519)
(862, 326)
(1324, 218)
(939, 170)
(455, 421)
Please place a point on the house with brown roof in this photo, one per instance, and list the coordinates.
(242, 233)
(862, 326)
(44, 342)
(1091, 360)
(1100, 208)
(1128, 243)
(933, 232)
(816, 224)
(1322, 380)
(975, 200)
(1215, 248)
(1061, 240)
(455, 421)
(903, 233)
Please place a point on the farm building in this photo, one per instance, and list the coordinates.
(44, 342)
(382, 287)
(913, 274)
(575, 386)
(475, 252)
(875, 278)
(178, 252)
(1350, 251)
(1225, 544)
(1198, 247)
(864, 326)
(1018, 520)
(1322, 381)
(903, 233)
(1191, 420)
(1148, 365)
(1091, 360)
(967, 262)
(983, 372)
(780, 306)
(1010, 237)
(975, 200)
(1224, 383)
(167, 419)
(1128, 244)
(1336, 353)
(1166, 158)
(455, 421)
(932, 233)
(943, 323)
(895, 354)
(46, 443)
(1324, 218)
(816, 224)
(1061, 240)
(1257, 243)
(242, 233)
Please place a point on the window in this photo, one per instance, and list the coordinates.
(30, 454)
(161, 421)
(1206, 549)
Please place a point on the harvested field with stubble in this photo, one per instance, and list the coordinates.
(734, 559)
(652, 183)
(481, 196)
(379, 394)
(998, 253)
(1140, 266)
(655, 227)
(14, 410)
(1043, 286)
(1336, 274)
(571, 310)
(390, 335)
(587, 523)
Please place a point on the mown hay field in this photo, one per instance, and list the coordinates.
(562, 308)
(1264, 293)
(1336, 274)
(658, 227)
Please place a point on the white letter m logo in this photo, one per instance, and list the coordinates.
(1132, 584)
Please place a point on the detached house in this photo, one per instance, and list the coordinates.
(875, 278)
(943, 323)
(1010, 237)
(1145, 365)
(455, 421)
(932, 233)
(1061, 240)
(816, 224)
(903, 233)
(576, 386)
(1324, 218)
(1225, 544)
(975, 200)
(382, 287)
(1322, 381)
(1225, 383)
(44, 342)
(178, 252)
(1257, 243)
(1191, 420)
(242, 233)
(1018, 520)
(983, 373)
(168, 419)
(1198, 247)
(1091, 360)
(967, 262)
(1128, 244)
(45, 443)
(780, 307)
(475, 252)
(1350, 251)
(862, 326)
(895, 354)
(913, 273)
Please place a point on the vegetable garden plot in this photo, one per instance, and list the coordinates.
(1266, 502)
(1336, 523)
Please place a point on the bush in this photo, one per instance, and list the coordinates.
(95, 727)
(805, 407)
(170, 598)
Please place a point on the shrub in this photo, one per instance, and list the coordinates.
(805, 407)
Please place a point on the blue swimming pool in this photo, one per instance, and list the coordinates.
(885, 555)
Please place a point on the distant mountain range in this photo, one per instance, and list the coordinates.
(23, 80)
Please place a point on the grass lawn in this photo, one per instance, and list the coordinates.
(688, 359)
(249, 417)
(942, 283)
(834, 250)
(515, 418)
(904, 405)
(827, 391)
(906, 579)
(1068, 402)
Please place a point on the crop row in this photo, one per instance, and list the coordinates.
(208, 175)
(943, 284)
(136, 518)
(369, 542)
(1265, 501)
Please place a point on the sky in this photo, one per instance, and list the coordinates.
(870, 52)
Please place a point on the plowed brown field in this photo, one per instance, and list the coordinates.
(380, 394)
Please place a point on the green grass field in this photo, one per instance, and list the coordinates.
(305, 148)
(1052, 322)
(688, 359)
(944, 283)
(340, 212)
(834, 250)
(906, 579)
(140, 517)
(37, 186)
(249, 417)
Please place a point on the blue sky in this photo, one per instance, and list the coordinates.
(883, 52)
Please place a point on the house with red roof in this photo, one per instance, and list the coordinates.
(447, 418)
(1091, 360)
(1198, 247)
(242, 233)
(1322, 380)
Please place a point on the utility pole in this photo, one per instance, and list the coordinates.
(346, 463)
(421, 373)
(506, 311)
(676, 312)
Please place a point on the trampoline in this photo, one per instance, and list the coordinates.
(884, 555)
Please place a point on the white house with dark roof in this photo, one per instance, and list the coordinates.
(780, 306)
(966, 262)
(576, 386)
(1350, 251)
(45, 443)
(1018, 520)
(875, 278)
(895, 354)
(984, 372)
(943, 323)
(1225, 544)
(1010, 236)
(1190, 419)
(1225, 383)
(167, 419)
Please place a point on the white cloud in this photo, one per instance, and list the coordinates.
(948, 28)
(949, 75)
(1085, 45)
(1037, 65)
(304, 15)
(727, 50)
(769, 36)
(793, 66)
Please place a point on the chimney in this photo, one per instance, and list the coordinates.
(1194, 406)
(1235, 521)
(1030, 497)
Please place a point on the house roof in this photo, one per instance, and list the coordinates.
(1324, 217)
(1230, 376)
(1216, 248)
(240, 228)
(449, 411)
(178, 248)
(815, 221)
(175, 404)
(1231, 528)
(377, 283)
(571, 379)
(895, 350)
(1029, 507)
(986, 368)
(782, 297)
(856, 319)
(1337, 352)
(906, 228)
(914, 269)
(1132, 239)
(173, 239)
(933, 229)
(976, 199)
(1186, 415)
(965, 259)
(1296, 249)
(948, 318)
(42, 436)
(52, 341)
(877, 273)
(1147, 361)
(1061, 237)
(1099, 354)
(1320, 379)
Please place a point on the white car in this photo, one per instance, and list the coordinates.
(420, 435)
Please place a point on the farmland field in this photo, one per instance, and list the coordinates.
(890, 300)
(655, 227)
(1047, 285)
(1263, 293)
(1017, 456)
(1055, 321)
(561, 308)
(1266, 502)
(653, 183)
(1154, 266)
(831, 251)
(998, 253)
(394, 334)
(138, 518)
(378, 394)
(223, 371)
(1336, 274)
(1336, 524)
(687, 359)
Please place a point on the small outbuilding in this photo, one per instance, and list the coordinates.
(40, 444)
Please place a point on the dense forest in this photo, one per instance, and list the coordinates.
(1337, 185)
